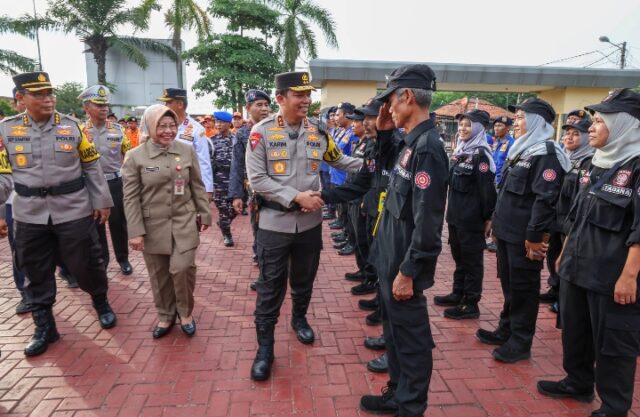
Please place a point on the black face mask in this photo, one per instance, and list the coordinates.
(294, 135)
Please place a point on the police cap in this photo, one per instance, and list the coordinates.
(255, 95)
(169, 94)
(581, 125)
(356, 115)
(132, 119)
(476, 115)
(98, 94)
(372, 108)
(32, 81)
(579, 113)
(507, 121)
(346, 107)
(295, 81)
(409, 76)
(536, 106)
(223, 116)
(619, 101)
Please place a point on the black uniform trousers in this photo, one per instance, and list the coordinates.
(467, 249)
(39, 246)
(286, 255)
(520, 281)
(597, 330)
(117, 226)
(556, 240)
(409, 342)
(361, 233)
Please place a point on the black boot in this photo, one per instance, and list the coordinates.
(304, 332)
(45, 333)
(261, 368)
(24, 306)
(106, 316)
(380, 404)
(467, 309)
(451, 300)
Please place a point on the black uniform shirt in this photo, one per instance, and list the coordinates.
(606, 221)
(409, 236)
(472, 194)
(527, 195)
(568, 193)
(238, 171)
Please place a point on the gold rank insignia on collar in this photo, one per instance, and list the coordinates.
(280, 121)
(25, 119)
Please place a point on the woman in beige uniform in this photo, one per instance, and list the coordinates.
(166, 206)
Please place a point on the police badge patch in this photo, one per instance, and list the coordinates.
(622, 178)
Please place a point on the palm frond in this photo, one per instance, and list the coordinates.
(199, 19)
(321, 17)
(150, 45)
(133, 53)
(12, 62)
(308, 39)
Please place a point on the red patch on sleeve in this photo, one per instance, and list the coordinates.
(423, 180)
(254, 139)
(483, 167)
(549, 174)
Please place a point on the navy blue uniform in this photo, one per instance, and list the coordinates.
(222, 147)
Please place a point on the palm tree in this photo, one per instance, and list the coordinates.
(96, 23)
(297, 35)
(12, 62)
(186, 14)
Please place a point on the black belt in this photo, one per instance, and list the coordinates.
(64, 188)
(276, 206)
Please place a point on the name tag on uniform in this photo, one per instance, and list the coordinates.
(151, 169)
(178, 186)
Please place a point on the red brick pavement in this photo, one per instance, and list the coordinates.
(124, 372)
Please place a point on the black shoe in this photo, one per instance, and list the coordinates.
(126, 268)
(369, 305)
(550, 296)
(189, 329)
(261, 368)
(491, 247)
(341, 237)
(462, 311)
(380, 404)
(255, 259)
(449, 300)
(507, 354)
(600, 413)
(334, 234)
(328, 216)
(561, 389)
(44, 334)
(491, 338)
(554, 308)
(66, 276)
(228, 241)
(374, 319)
(367, 287)
(375, 343)
(379, 364)
(354, 276)
(347, 250)
(340, 245)
(254, 285)
(106, 316)
(23, 307)
(336, 225)
(159, 332)
(304, 332)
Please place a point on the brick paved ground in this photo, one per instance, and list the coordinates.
(124, 372)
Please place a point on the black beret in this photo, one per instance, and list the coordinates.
(578, 113)
(619, 101)
(479, 116)
(536, 106)
(255, 95)
(581, 125)
(295, 81)
(409, 76)
(356, 115)
(372, 108)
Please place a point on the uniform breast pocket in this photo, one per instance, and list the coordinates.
(279, 162)
(608, 212)
(21, 155)
(397, 197)
(461, 180)
(65, 153)
(314, 158)
(516, 181)
(622, 334)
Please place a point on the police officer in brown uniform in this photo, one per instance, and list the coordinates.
(112, 143)
(283, 165)
(60, 190)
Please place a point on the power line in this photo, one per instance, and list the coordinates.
(599, 60)
(572, 57)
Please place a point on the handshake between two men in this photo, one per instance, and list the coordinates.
(309, 201)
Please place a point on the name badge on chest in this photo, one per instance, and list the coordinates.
(178, 186)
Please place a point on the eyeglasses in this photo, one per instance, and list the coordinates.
(167, 127)
(41, 95)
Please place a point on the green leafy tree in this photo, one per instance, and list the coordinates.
(7, 108)
(12, 62)
(246, 15)
(98, 23)
(67, 98)
(185, 15)
(297, 38)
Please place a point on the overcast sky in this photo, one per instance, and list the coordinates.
(465, 31)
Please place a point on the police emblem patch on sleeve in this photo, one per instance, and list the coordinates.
(422, 180)
(254, 139)
(622, 178)
(549, 175)
(483, 167)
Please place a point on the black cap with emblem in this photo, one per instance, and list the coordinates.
(409, 76)
(536, 106)
(579, 113)
(619, 101)
(581, 125)
(346, 107)
(32, 81)
(295, 81)
(479, 116)
(255, 95)
(173, 93)
(507, 121)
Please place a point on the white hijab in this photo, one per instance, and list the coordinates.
(534, 142)
(477, 141)
(623, 142)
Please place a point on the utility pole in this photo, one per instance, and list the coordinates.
(35, 16)
(622, 47)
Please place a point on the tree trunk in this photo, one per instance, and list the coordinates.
(177, 45)
(99, 50)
